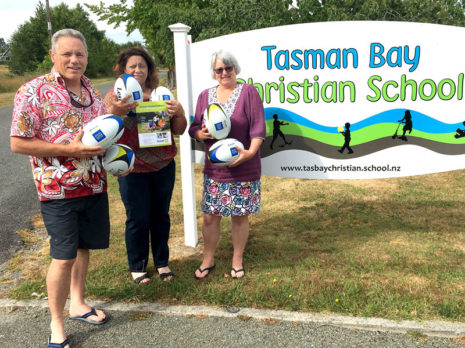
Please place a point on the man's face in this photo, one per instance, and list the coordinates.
(70, 58)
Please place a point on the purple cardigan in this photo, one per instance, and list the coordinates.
(247, 122)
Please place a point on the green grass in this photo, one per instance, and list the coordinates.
(391, 248)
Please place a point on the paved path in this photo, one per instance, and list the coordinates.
(18, 196)
(25, 324)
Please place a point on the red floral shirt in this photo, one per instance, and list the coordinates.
(43, 109)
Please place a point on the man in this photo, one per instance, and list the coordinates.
(48, 117)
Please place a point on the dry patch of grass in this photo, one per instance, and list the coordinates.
(388, 248)
(10, 83)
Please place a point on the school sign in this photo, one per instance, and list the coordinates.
(347, 100)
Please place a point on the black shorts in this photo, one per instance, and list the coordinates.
(76, 223)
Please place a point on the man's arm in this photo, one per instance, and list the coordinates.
(40, 148)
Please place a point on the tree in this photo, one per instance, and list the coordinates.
(152, 20)
(210, 18)
(30, 43)
(207, 18)
(449, 12)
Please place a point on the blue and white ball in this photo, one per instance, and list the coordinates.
(161, 93)
(125, 85)
(118, 159)
(224, 152)
(216, 121)
(103, 131)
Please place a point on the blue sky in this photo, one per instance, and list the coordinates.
(16, 12)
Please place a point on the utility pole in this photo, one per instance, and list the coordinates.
(49, 23)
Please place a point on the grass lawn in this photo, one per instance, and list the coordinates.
(391, 248)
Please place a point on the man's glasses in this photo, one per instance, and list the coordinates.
(219, 71)
(77, 104)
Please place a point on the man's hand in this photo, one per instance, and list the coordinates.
(78, 149)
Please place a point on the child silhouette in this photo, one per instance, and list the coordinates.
(460, 132)
(408, 124)
(277, 131)
(346, 135)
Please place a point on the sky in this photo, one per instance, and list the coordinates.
(16, 12)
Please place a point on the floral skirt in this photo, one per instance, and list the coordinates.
(230, 198)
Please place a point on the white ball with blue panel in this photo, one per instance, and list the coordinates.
(126, 85)
(224, 152)
(216, 121)
(161, 93)
(103, 131)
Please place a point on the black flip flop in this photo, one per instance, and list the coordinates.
(164, 276)
(141, 278)
(209, 269)
(237, 271)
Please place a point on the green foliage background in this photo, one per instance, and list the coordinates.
(207, 18)
(211, 18)
(30, 42)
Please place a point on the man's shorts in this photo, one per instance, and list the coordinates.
(76, 223)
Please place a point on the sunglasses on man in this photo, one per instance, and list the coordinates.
(77, 104)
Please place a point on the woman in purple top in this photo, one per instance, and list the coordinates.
(233, 190)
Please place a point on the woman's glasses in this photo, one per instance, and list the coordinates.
(77, 104)
(219, 71)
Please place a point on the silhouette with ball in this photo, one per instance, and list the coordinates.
(277, 131)
(346, 135)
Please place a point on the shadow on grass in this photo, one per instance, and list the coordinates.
(396, 255)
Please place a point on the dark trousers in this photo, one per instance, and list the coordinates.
(147, 197)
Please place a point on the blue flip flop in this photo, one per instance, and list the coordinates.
(57, 345)
(85, 316)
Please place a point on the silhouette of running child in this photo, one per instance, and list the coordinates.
(277, 131)
(460, 132)
(346, 135)
(408, 124)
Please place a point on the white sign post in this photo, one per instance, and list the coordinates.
(183, 81)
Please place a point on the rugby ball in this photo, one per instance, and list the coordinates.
(103, 131)
(125, 85)
(161, 93)
(216, 121)
(224, 152)
(118, 159)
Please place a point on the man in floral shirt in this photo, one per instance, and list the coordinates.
(49, 113)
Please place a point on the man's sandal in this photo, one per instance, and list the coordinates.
(92, 312)
(57, 345)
